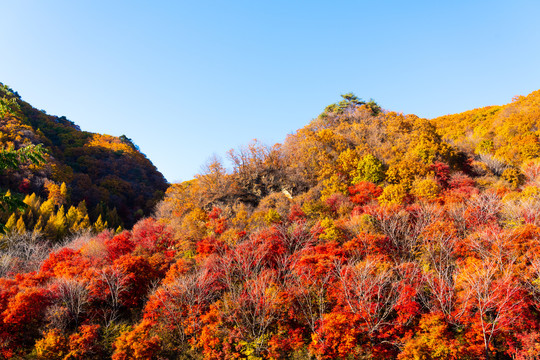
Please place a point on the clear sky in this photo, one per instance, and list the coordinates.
(188, 79)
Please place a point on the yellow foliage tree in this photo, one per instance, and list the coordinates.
(433, 341)
(138, 343)
(20, 227)
(84, 224)
(332, 185)
(427, 188)
(513, 176)
(330, 231)
(11, 223)
(393, 194)
(406, 170)
(32, 201)
(47, 209)
(100, 225)
(39, 224)
(55, 227)
(348, 162)
(57, 193)
(72, 217)
(53, 346)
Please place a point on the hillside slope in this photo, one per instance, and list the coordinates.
(109, 173)
(367, 234)
(508, 133)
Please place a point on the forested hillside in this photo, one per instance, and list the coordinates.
(367, 234)
(85, 178)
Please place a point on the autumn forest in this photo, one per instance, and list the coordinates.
(366, 234)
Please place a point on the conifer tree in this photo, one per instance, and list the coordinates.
(11, 223)
(20, 227)
(99, 225)
(39, 225)
(47, 209)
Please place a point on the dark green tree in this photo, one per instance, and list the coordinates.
(350, 101)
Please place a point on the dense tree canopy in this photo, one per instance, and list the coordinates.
(365, 235)
(109, 174)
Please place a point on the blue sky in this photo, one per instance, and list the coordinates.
(189, 79)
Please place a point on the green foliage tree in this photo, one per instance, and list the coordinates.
(369, 169)
(350, 101)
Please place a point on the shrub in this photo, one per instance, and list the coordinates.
(513, 176)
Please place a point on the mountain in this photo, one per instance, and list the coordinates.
(354, 141)
(367, 234)
(507, 133)
(110, 174)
